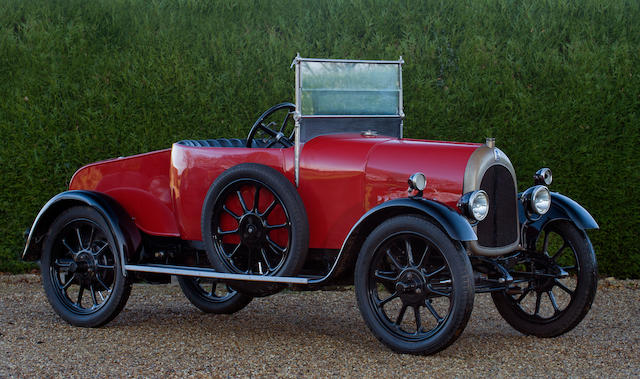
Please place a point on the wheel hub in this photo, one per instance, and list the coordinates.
(85, 262)
(252, 231)
(412, 287)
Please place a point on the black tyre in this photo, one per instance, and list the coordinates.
(254, 222)
(414, 286)
(81, 269)
(561, 282)
(212, 296)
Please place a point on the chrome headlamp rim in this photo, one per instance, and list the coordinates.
(417, 182)
(467, 201)
(531, 197)
(544, 176)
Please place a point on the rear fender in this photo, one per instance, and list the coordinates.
(123, 229)
(562, 208)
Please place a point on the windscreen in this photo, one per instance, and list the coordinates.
(347, 88)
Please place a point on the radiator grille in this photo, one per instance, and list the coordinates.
(500, 227)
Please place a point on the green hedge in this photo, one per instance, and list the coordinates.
(556, 82)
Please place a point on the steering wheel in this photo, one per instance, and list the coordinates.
(265, 129)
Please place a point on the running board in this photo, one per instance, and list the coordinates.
(210, 273)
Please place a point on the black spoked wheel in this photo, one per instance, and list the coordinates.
(254, 223)
(81, 270)
(561, 281)
(414, 286)
(212, 296)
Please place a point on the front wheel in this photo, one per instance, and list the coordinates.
(81, 269)
(561, 280)
(414, 286)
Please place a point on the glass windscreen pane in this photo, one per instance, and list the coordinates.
(336, 88)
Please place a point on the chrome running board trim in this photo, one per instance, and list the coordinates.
(210, 273)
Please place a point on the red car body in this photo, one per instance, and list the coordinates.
(341, 178)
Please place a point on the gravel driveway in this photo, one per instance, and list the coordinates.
(316, 334)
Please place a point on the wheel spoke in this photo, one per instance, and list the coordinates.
(256, 198)
(439, 292)
(563, 287)
(416, 313)
(560, 251)
(538, 299)
(273, 227)
(401, 314)
(93, 295)
(424, 255)
(279, 249)
(104, 267)
(242, 203)
(523, 295)
(235, 250)
(545, 244)
(381, 303)
(393, 260)
(230, 212)
(64, 242)
(387, 276)
(407, 247)
(433, 311)
(553, 302)
(569, 268)
(80, 293)
(100, 249)
(79, 239)
(266, 260)
(226, 232)
(68, 282)
(102, 284)
(249, 261)
(270, 208)
(91, 237)
(436, 271)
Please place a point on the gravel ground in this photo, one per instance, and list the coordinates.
(315, 334)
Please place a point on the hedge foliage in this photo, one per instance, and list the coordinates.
(555, 81)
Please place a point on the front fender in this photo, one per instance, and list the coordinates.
(124, 230)
(562, 208)
(453, 223)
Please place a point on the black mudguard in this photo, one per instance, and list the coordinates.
(124, 230)
(562, 208)
(452, 222)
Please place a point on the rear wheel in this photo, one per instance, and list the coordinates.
(561, 282)
(81, 269)
(414, 286)
(212, 296)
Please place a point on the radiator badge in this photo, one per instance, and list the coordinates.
(496, 154)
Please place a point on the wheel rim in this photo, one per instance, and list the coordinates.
(82, 267)
(251, 228)
(213, 290)
(553, 278)
(410, 286)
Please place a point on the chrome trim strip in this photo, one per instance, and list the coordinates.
(353, 116)
(300, 59)
(296, 119)
(210, 273)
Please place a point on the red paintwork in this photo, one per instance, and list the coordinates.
(341, 177)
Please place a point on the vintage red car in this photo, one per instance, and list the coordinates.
(324, 191)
